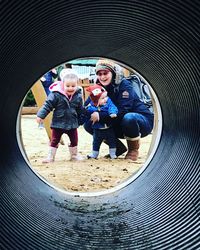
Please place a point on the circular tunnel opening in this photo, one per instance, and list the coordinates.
(87, 176)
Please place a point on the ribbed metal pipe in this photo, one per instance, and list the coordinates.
(161, 40)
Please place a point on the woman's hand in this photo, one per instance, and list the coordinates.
(94, 117)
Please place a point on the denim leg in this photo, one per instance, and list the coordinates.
(110, 137)
(97, 139)
(134, 125)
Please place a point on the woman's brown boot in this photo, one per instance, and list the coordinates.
(133, 150)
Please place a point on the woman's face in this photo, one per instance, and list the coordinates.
(104, 77)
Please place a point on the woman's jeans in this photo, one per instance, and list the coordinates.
(131, 125)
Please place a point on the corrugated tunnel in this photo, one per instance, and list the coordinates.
(161, 40)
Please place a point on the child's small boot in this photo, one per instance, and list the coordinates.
(112, 152)
(74, 156)
(51, 155)
(93, 155)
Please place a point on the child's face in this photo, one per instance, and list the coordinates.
(103, 99)
(105, 77)
(70, 87)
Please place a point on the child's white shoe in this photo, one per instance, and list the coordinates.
(112, 152)
(93, 155)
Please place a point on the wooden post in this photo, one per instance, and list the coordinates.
(84, 83)
(40, 97)
(29, 110)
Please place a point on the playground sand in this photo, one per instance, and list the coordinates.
(88, 175)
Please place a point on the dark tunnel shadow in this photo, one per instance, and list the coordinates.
(159, 209)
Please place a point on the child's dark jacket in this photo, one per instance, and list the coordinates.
(65, 112)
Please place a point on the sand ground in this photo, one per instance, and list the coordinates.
(88, 175)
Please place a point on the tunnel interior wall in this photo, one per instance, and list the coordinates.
(160, 39)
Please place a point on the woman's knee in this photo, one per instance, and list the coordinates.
(129, 121)
(136, 124)
(130, 126)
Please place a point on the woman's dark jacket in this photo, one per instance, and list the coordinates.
(126, 100)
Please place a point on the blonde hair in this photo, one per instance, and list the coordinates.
(68, 74)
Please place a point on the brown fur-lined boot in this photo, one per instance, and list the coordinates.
(133, 149)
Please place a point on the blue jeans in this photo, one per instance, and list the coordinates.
(103, 134)
(131, 125)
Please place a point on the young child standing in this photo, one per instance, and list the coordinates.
(65, 100)
(100, 102)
